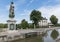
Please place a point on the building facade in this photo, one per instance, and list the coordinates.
(43, 22)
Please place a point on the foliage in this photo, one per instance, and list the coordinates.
(35, 16)
(24, 24)
(3, 25)
(18, 26)
(54, 34)
(58, 24)
(53, 19)
(31, 26)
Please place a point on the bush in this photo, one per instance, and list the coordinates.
(24, 24)
(31, 26)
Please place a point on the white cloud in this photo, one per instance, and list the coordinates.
(3, 18)
(31, 1)
(3, 15)
(7, 7)
(47, 11)
(25, 15)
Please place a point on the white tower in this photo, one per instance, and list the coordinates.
(11, 22)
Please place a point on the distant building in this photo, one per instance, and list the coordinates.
(43, 22)
(50, 24)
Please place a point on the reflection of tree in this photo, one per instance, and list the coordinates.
(44, 34)
(54, 34)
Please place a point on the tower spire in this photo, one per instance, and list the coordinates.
(11, 10)
(11, 22)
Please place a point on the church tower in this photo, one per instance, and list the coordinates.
(11, 22)
(11, 11)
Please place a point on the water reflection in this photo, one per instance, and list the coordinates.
(32, 39)
(49, 36)
(54, 34)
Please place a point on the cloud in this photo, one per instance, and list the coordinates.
(47, 11)
(24, 15)
(3, 15)
(20, 2)
(31, 1)
(8, 7)
(3, 18)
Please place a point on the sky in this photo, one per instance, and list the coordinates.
(23, 9)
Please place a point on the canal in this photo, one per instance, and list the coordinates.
(49, 36)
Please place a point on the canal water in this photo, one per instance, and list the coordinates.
(49, 36)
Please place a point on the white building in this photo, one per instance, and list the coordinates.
(43, 22)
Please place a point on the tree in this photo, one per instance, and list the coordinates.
(35, 16)
(54, 19)
(18, 26)
(3, 25)
(24, 24)
(31, 25)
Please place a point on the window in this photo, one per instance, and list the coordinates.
(11, 26)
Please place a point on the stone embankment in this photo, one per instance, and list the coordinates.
(9, 35)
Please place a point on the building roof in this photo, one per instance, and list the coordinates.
(44, 18)
(11, 21)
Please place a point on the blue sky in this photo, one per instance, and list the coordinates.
(23, 9)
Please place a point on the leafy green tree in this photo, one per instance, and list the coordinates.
(3, 25)
(35, 16)
(18, 26)
(54, 19)
(24, 24)
(31, 26)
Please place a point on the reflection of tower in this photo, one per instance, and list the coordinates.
(11, 21)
